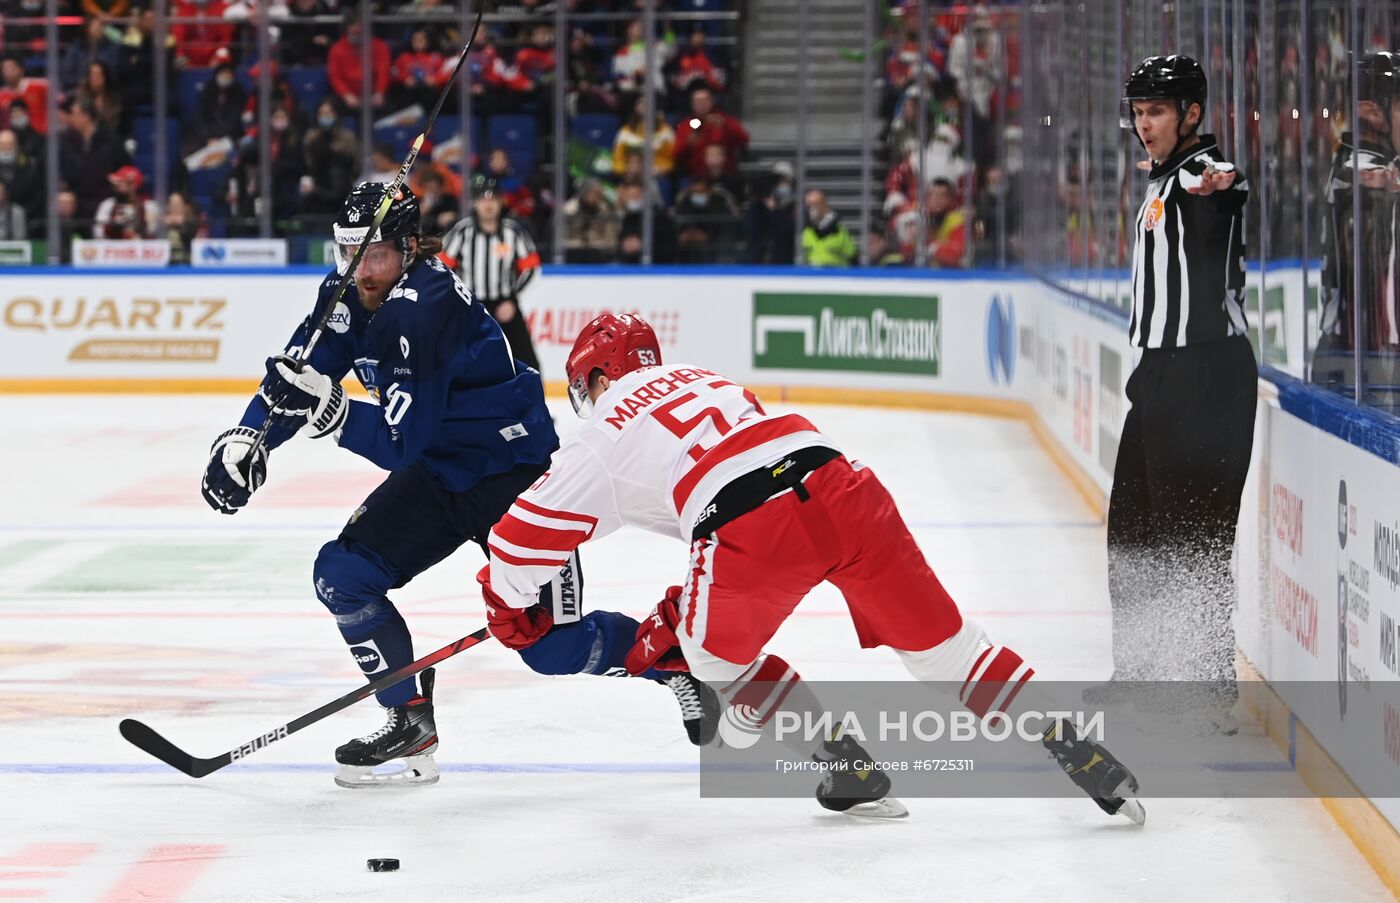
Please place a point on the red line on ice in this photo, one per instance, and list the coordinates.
(165, 873)
(50, 855)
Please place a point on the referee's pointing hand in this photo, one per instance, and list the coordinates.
(1213, 180)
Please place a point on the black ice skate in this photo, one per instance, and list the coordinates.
(852, 785)
(700, 707)
(408, 740)
(1095, 771)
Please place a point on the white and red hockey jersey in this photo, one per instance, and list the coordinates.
(662, 441)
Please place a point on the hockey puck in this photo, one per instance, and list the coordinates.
(383, 865)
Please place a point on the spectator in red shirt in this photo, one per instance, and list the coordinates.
(693, 67)
(197, 42)
(33, 91)
(344, 68)
(536, 59)
(705, 126)
(418, 73)
(493, 81)
(946, 230)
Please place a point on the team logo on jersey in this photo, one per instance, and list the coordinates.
(340, 318)
(404, 292)
(514, 431)
(1156, 210)
(356, 516)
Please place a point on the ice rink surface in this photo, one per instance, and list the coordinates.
(122, 594)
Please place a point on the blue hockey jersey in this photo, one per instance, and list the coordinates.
(446, 390)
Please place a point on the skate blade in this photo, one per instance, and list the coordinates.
(1133, 811)
(889, 807)
(413, 771)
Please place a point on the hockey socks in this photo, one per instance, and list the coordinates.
(351, 581)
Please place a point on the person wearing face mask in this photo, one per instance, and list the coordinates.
(16, 87)
(332, 155)
(288, 166)
(22, 176)
(770, 219)
(706, 214)
(825, 239)
(31, 142)
(221, 106)
(631, 198)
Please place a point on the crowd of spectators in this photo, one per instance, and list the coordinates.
(956, 191)
(106, 117)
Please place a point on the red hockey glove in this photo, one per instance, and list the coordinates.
(516, 628)
(657, 645)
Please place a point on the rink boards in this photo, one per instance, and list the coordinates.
(1319, 573)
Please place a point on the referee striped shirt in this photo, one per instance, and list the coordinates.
(1188, 260)
(494, 265)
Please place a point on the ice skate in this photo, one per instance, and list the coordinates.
(700, 707)
(407, 740)
(852, 785)
(1095, 771)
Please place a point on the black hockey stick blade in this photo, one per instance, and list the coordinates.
(146, 739)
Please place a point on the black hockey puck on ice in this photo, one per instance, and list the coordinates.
(383, 865)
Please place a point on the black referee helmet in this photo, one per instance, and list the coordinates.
(1177, 77)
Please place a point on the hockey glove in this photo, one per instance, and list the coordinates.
(303, 399)
(230, 479)
(657, 645)
(516, 628)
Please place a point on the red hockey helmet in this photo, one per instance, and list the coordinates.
(613, 343)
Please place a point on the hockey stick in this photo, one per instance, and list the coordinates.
(384, 204)
(147, 740)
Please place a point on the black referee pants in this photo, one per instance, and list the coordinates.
(1180, 471)
(517, 333)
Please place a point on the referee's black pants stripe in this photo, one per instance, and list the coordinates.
(1180, 471)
